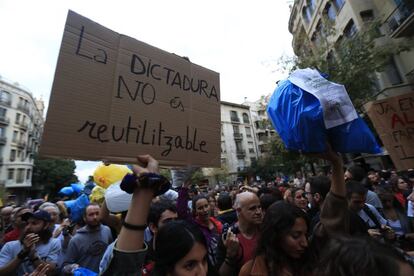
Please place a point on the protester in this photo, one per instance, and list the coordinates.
(299, 199)
(18, 224)
(6, 222)
(319, 187)
(357, 173)
(401, 191)
(209, 225)
(226, 213)
(188, 257)
(238, 242)
(283, 247)
(88, 245)
(36, 247)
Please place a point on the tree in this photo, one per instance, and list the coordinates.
(53, 174)
(351, 60)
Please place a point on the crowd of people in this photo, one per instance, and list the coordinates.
(349, 222)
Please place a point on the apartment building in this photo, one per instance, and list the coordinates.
(238, 137)
(21, 124)
(348, 17)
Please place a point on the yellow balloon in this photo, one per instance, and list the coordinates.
(104, 175)
(97, 195)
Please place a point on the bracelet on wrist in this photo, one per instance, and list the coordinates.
(155, 182)
(134, 227)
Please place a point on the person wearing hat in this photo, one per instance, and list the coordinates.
(36, 247)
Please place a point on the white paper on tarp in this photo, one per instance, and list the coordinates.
(336, 104)
(116, 199)
(181, 175)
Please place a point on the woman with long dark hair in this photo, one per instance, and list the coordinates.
(180, 247)
(283, 247)
(189, 247)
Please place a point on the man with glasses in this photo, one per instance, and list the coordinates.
(315, 191)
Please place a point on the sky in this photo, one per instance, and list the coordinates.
(242, 40)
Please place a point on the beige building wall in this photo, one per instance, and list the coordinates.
(21, 124)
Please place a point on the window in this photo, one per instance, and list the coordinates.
(246, 118)
(392, 73)
(22, 156)
(2, 132)
(20, 175)
(233, 116)
(330, 11)
(367, 15)
(338, 4)
(222, 132)
(29, 174)
(236, 129)
(350, 29)
(10, 174)
(5, 97)
(239, 147)
(18, 115)
(15, 136)
(248, 132)
(251, 150)
(12, 155)
(252, 159)
(3, 112)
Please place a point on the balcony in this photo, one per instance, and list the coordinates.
(3, 140)
(240, 154)
(4, 120)
(6, 102)
(21, 144)
(400, 23)
(23, 125)
(235, 120)
(238, 136)
(24, 107)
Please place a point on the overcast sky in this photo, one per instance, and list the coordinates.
(242, 40)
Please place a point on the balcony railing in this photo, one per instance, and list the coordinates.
(3, 140)
(238, 136)
(4, 120)
(24, 125)
(21, 144)
(240, 154)
(400, 23)
(235, 119)
(24, 108)
(5, 102)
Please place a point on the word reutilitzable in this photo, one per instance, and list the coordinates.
(141, 134)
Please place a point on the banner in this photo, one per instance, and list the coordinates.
(115, 97)
(393, 118)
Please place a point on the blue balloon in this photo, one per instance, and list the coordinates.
(66, 191)
(77, 187)
(76, 207)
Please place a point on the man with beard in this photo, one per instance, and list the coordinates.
(238, 243)
(36, 247)
(88, 245)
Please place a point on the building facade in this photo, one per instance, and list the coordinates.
(21, 125)
(348, 17)
(238, 138)
(263, 128)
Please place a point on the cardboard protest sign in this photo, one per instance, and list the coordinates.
(393, 119)
(115, 97)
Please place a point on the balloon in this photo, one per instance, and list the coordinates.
(76, 207)
(97, 195)
(66, 191)
(116, 199)
(77, 187)
(104, 175)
